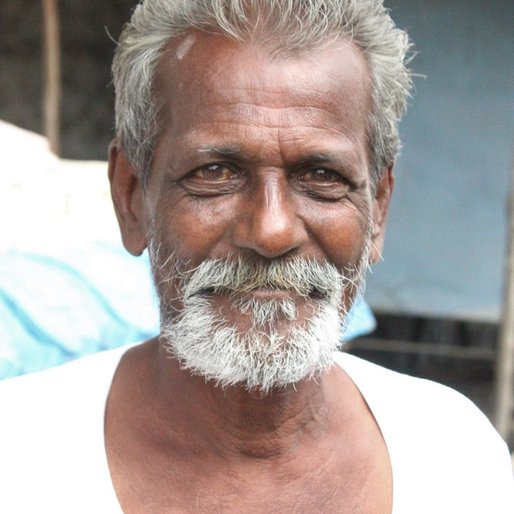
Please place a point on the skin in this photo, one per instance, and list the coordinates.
(264, 156)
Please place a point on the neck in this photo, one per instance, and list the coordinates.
(236, 423)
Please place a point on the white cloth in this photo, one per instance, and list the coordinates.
(446, 457)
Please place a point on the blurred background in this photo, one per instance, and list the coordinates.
(438, 296)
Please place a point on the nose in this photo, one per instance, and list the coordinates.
(269, 223)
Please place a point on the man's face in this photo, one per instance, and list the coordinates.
(260, 161)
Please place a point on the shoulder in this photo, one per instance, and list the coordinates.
(395, 392)
(417, 407)
(437, 440)
(59, 392)
(51, 435)
(74, 380)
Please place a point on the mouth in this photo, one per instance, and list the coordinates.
(264, 293)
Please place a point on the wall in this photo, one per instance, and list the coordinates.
(446, 242)
(87, 48)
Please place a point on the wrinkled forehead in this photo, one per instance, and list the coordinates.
(209, 66)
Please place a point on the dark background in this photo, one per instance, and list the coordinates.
(87, 30)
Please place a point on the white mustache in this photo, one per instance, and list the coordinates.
(303, 277)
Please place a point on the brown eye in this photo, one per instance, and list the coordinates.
(214, 173)
(320, 175)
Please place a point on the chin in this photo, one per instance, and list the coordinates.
(273, 349)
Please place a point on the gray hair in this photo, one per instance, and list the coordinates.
(288, 25)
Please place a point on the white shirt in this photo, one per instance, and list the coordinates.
(446, 458)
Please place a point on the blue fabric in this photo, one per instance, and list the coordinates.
(61, 305)
(361, 321)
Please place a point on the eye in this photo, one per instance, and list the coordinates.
(214, 173)
(322, 183)
(213, 179)
(320, 176)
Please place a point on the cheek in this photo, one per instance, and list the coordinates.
(192, 230)
(344, 244)
(341, 234)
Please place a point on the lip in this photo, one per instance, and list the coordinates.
(270, 294)
(266, 294)
(281, 294)
(261, 293)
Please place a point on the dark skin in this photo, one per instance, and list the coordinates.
(265, 156)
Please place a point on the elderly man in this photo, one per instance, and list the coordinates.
(253, 158)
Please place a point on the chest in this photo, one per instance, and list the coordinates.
(196, 485)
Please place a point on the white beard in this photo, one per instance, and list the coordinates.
(265, 357)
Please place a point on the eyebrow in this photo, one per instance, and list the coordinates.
(233, 151)
(319, 157)
(327, 157)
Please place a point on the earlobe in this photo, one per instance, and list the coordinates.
(384, 190)
(127, 197)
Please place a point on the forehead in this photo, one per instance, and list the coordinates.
(206, 84)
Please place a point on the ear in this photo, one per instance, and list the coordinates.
(380, 208)
(127, 197)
